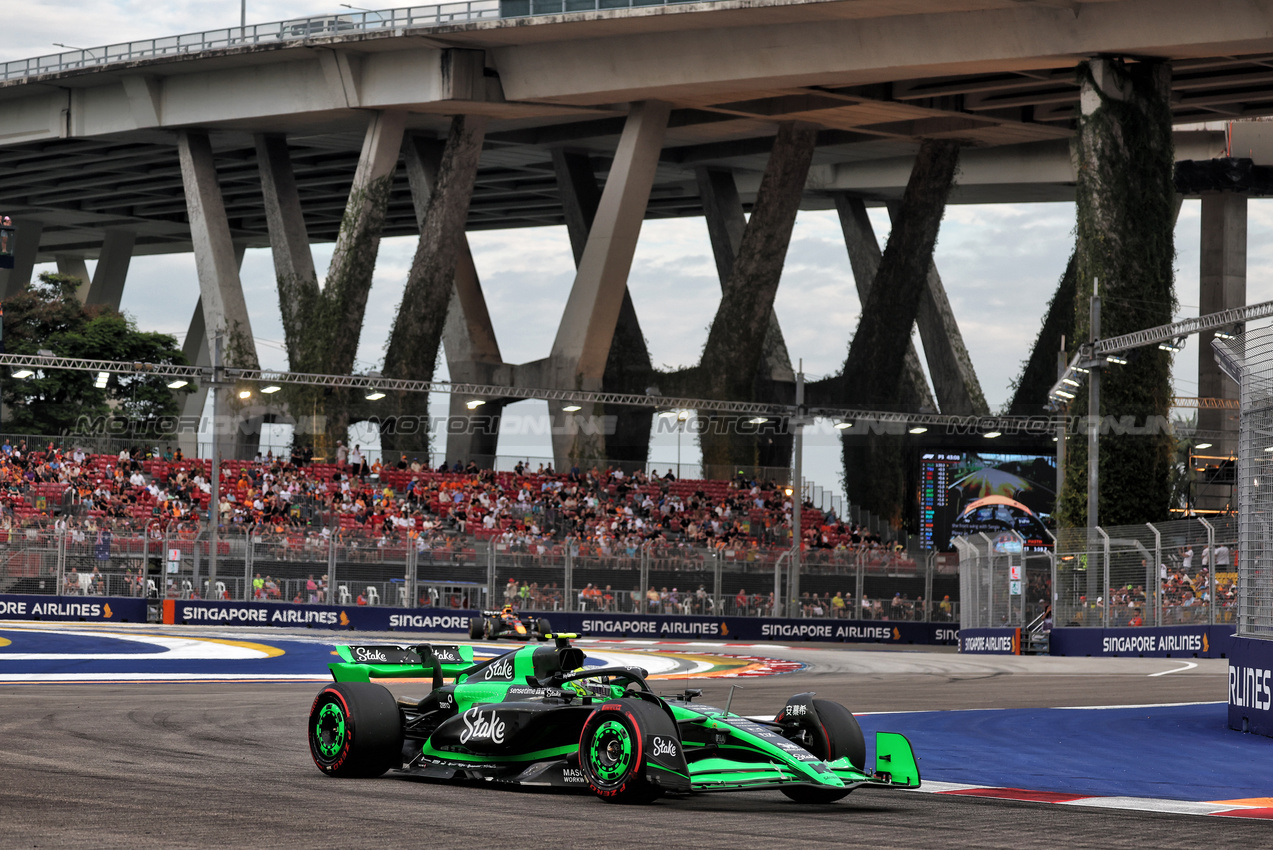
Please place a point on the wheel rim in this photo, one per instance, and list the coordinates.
(610, 752)
(329, 730)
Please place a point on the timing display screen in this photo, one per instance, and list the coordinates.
(965, 493)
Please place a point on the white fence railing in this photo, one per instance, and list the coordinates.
(296, 29)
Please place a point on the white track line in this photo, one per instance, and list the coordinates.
(1189, 665)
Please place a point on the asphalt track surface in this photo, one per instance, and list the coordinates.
(181, 765)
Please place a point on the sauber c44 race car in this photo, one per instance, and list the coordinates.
(536, 716)
(493, 625)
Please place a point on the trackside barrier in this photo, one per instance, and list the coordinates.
(108, 609)
(990, 641)
(356, 618)
(363, 618)
(1166, 642)
(1251, 685)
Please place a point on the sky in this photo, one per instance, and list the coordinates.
(1000, 263)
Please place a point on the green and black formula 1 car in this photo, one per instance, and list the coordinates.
(536, 716)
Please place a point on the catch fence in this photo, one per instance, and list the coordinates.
(1247, 358)
(463, 573)
(1001, 583)
(1172, 573)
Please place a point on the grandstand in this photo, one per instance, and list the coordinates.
(131, 525)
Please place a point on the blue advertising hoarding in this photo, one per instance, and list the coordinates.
(1145, 642)
(665, 626)
(104, 609)
(990, 641)
(1251, 685)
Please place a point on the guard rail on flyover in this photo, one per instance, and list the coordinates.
(395, 21)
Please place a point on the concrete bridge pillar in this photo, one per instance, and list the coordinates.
(726, 223)
(468, 337)
(735, 349)
(197, 353)
(864, 259)
(582, 344)
(949, 366)
(107, 285)
(431, 284)
(323, 326)
(217, 266)
(628, 367)
(1125, 203)
(1222, 286)
(354, 258)
(874, 368)
(289, 239)
(71, 265)
(25, 248)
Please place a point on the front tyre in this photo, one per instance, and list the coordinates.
(543, 627)
(835, 735)
(475, 629)
(355, 730)
(612, 752)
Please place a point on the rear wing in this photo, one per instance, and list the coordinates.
(364, 662)
(521, 615)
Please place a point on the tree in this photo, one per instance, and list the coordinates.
(48, 317)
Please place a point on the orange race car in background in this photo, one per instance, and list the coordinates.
(507, 623)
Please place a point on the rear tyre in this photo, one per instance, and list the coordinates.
(836, 735)
(612, 751)
(475, 629)
(355, 730)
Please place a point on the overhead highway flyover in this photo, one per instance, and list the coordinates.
(185, 764)
(88, 149)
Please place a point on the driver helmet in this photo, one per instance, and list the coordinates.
(585, 687)
(508, 610)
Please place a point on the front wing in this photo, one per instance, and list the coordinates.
(745, 754)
